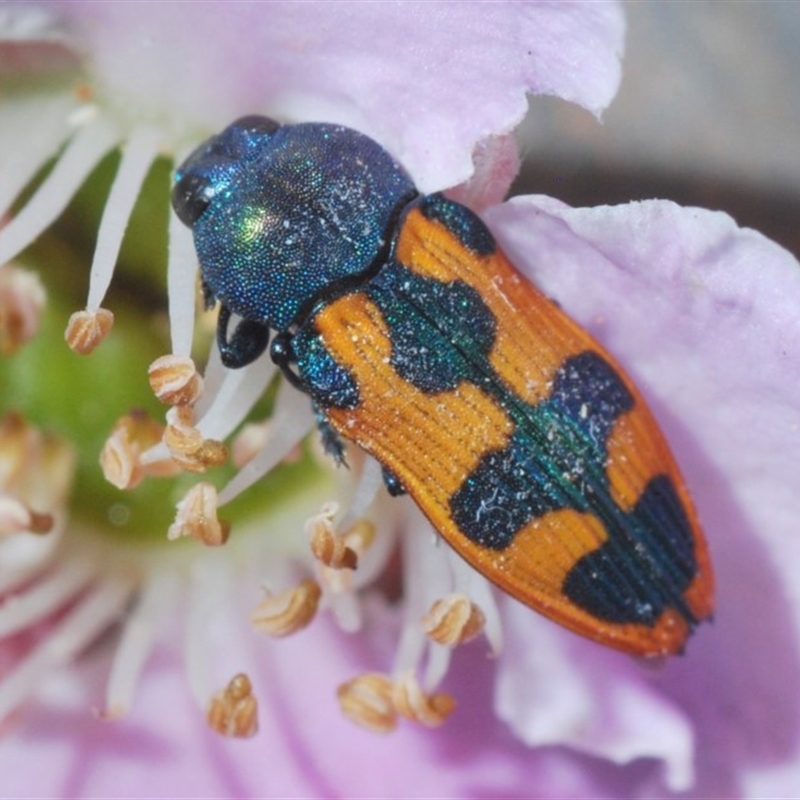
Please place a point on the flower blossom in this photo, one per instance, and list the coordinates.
(211, 593)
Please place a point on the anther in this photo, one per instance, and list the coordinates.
(181, 436)
(234, 711)
(186, 444)
(411, 702)
(86, 329)
(133, 434)
(175, 380)
(367, 701)
(197, 517)
(287, 612)
(16, 517)
(36, 471)
(453, 620)
(22, 298)
(327, 546)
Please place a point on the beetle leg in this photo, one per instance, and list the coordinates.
(332, 443)
(209, 300)
(282, 353)
(249, 340)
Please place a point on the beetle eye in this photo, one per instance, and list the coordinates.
(190, 197)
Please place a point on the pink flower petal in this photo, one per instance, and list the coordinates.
(704, 315)
(496, 164)
(305, 747)
(426, 80)
(554, 688)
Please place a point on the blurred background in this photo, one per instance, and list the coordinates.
(708, 114)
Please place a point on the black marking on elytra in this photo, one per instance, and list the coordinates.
(589, 392)
(508, 489)
(555, 460)
(436, 329)
(464, 224)
(329, 384)
(644, 566)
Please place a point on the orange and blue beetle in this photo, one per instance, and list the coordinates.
(518, 436)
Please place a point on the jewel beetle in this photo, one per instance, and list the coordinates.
(516, 433)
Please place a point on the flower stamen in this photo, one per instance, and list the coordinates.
(197, 517)
(453, 620)
(16, 517)
(22, 299)
(36, 471)
(78, 159)
(328, 546)
(87, 329)
(290, 422)
(82, 625)
(155, 600)
(121, 457)
(250, 441)
(44, 597)
(374, 701)
(338, 556)
(411, 702)
(190, 449)
(181, 277)
(40, 122)
(175, 380)
(138, 154)
(367, 701)
(287, 612)
(234, 711)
